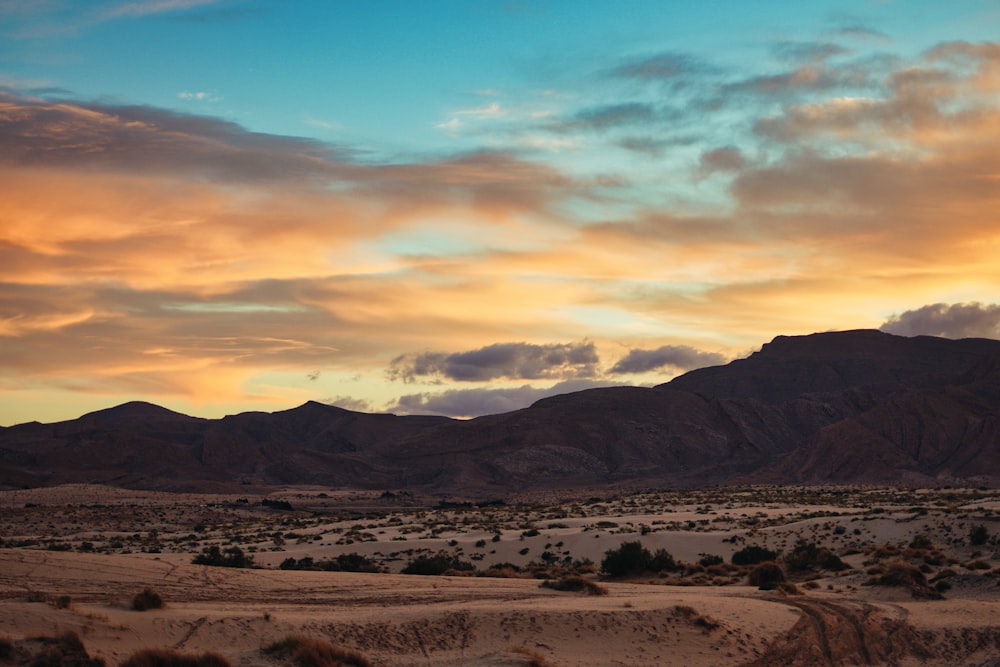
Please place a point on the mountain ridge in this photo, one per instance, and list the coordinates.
(857, 406)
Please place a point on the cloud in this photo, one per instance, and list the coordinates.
(662, 66)
(611, 116)
(148, 7)
(808, 51)
(466, 403)
(728, 158)
(349, 403)
(502, 360)
(682, 357)
(199, 96)
(957, 320)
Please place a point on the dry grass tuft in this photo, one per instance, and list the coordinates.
(533, 658)
(575, 584)
(308, 652)
(165, 657)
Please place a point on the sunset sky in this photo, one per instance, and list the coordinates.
(460, 207)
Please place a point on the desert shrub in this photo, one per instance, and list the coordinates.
(708, 560)
(691, 614)
(6, 648)
(147, 599)
(65, 650)
(63, 602)
(165, 657)
(978, 535)
(766, 576)
(277, 504)
(437, 565)
(942, 586)
(632, 558)
(352, 562)
(921, 542)
(753, 554)
(662, 561)
(575, 584)
(532, 658)
(902, 574)
(231, 557)
(308, 652)
(807, 556)
(977, 565)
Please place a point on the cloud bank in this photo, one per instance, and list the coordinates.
(957, 320)
(156, 254)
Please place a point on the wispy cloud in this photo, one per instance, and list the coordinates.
(199, 96)
(148, 7)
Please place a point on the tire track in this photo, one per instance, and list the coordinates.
(835, 634)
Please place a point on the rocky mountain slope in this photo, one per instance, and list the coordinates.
(843, 407)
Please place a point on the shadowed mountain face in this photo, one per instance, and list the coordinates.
(845, 407)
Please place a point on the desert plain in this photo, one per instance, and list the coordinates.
(868, 576)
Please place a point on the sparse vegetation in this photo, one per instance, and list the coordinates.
(6, 648)
(753, 554)
(807, 556)
(978, 536)
(631, 558)
(147, 599)
(64, 650)
(351, 562)
(575, 584)
(304, 651)
(532, 658)
(231, 557)
(439, 564)
(766, 576)
(164, 657)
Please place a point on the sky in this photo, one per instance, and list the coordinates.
(461, 207)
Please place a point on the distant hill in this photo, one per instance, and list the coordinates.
(840, 407)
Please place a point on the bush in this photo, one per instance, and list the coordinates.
(766, 576)
(902, 574)
(6, 648)
(352, 562)
(308, 652)
(753, 554)
(575, 584)
(806, 556)
(65, 650)
(165, 657)
(231, 557)
(437, 565)
(978, 535)
(708, 560)
(63, 602)
(632, 558)
(147, 599)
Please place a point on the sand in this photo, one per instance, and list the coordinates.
(402, 620)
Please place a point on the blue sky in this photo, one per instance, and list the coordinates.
(461, 207)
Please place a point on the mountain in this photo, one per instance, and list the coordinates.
(839, 407)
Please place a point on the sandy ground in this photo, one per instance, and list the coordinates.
(98, 547)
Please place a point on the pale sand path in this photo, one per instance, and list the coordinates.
(396, 619)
